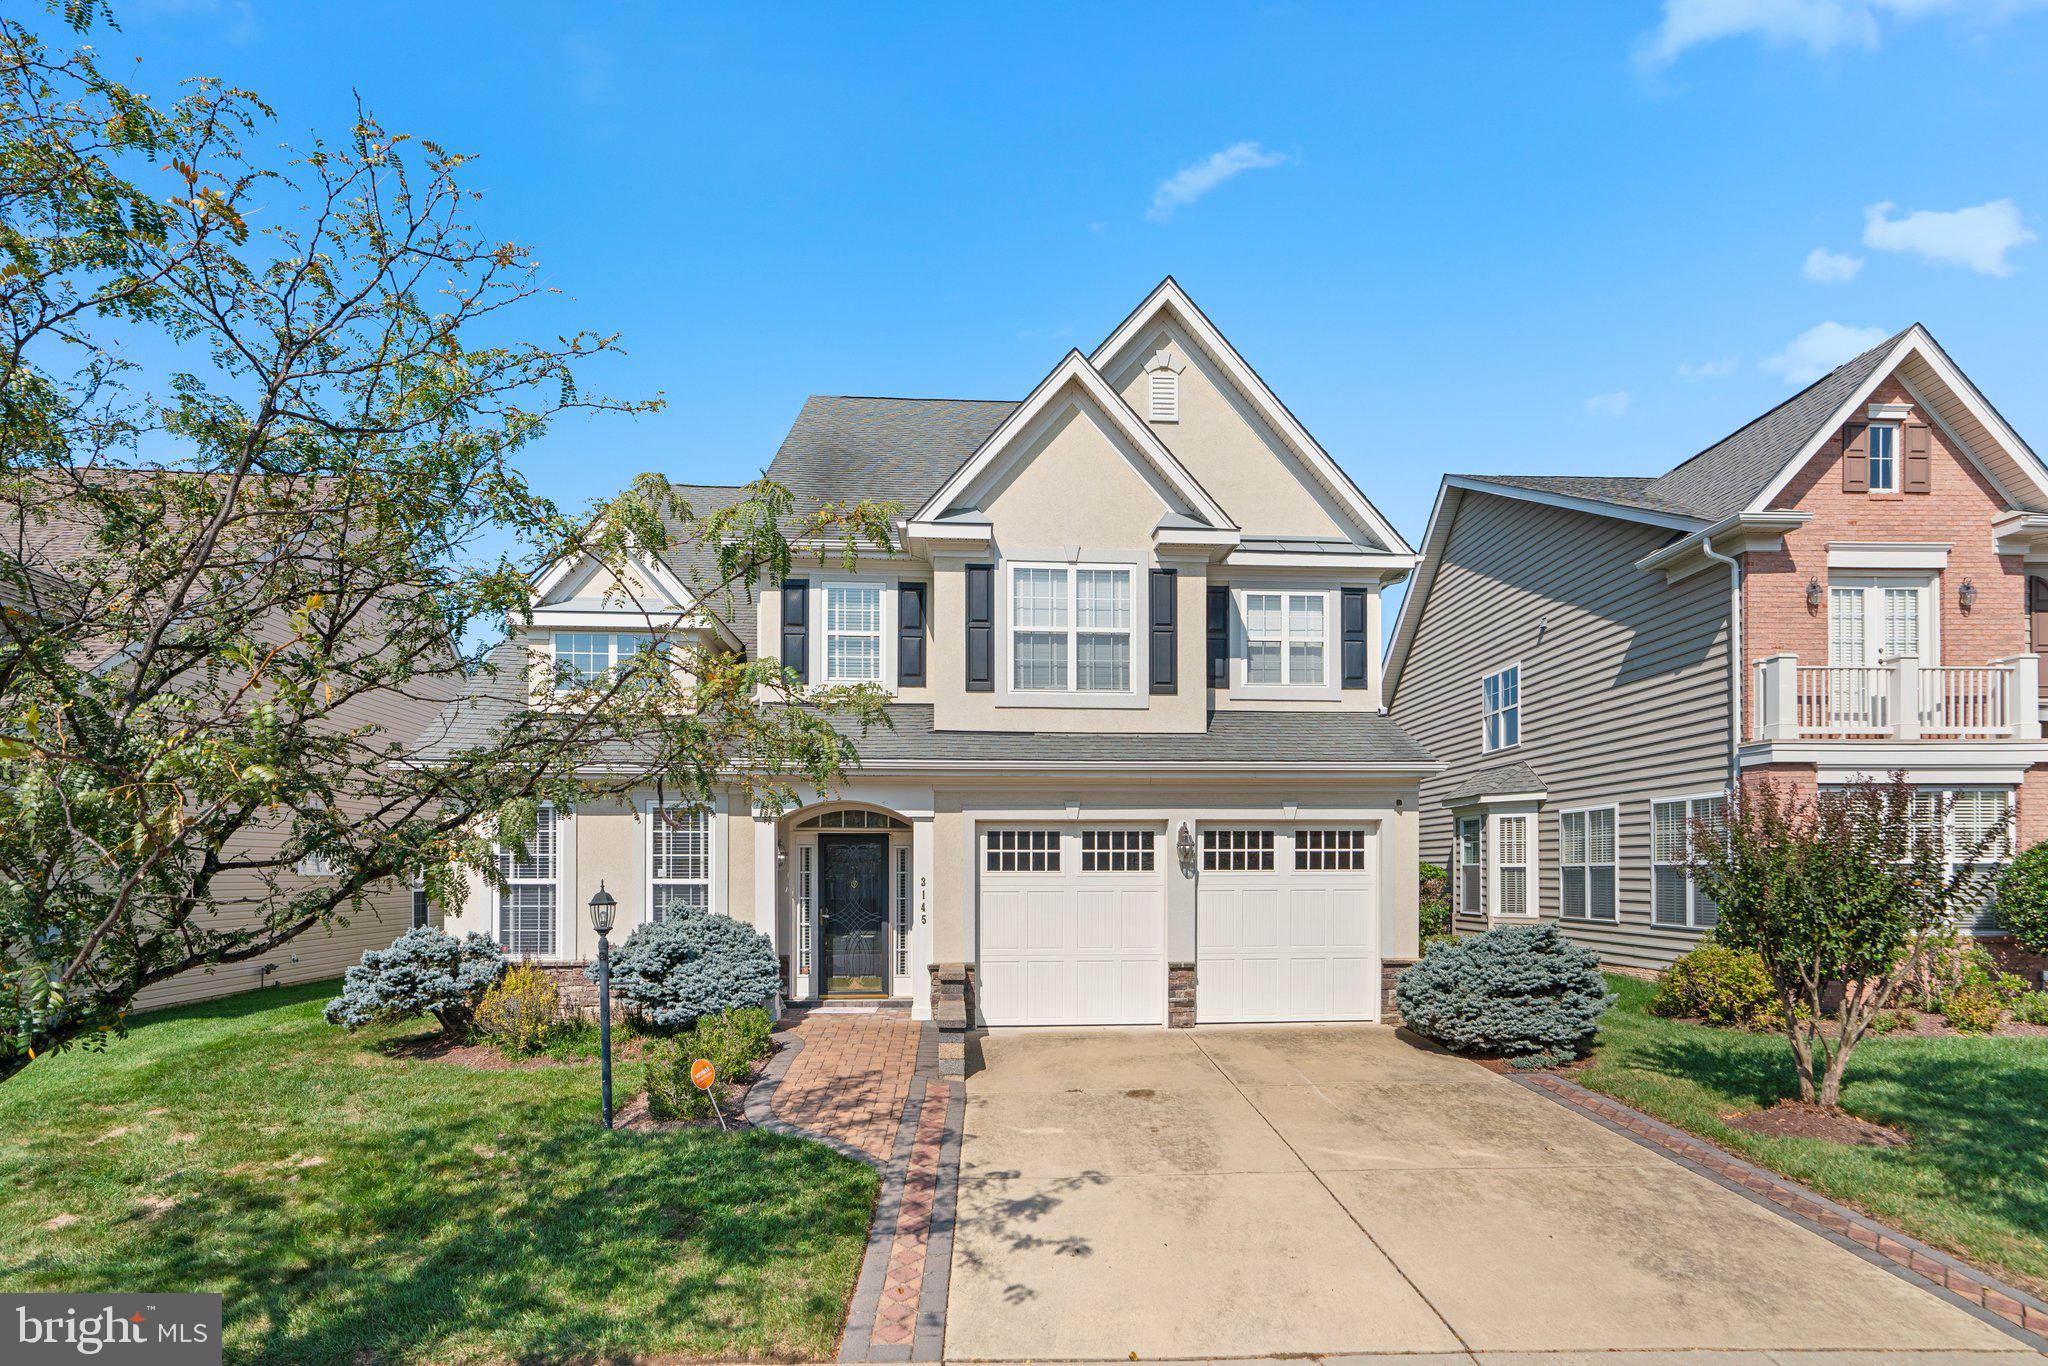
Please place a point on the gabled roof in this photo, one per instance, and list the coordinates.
(1727, 476)
(1169, 299)
(844, 448)
(1502, 780)
(1074, 370)
(1621, 491)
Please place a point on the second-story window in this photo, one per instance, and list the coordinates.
(1501, 698)
(584, 658)
(1285, 639)
(1884, 458)
(853, 633)
(1070, 628)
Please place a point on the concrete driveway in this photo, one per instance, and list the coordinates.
(1254, 1192)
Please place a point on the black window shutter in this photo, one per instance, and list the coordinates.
(1165, 647)
(981, 628)
(1219, 637)
(1356, 654)
(910, 635)
(796, 628)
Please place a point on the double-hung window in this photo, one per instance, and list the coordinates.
(853, 633)
(421, 910)
(1675, 899)
(679, 860)
(1070, 628)
(1974, 817)
(1884, 457)
(1500, 695)
(1514, 865)
(1472, 866)
(1286, 639)
(586, 658)
(1586, 860)
(529, 892)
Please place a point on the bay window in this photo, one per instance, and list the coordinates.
(1070, 628)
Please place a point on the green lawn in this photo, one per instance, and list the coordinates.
(355, 1208)
(1975, 1178)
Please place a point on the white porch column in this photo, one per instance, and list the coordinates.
(2025, 702)
(921, 853)
(1778, 697)
(1904, 702)
(765, 900)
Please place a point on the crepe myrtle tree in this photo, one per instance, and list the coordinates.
(1845, 894)
(216, 576)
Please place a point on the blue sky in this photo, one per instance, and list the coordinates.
(1549, 238)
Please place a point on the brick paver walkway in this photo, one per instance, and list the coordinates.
(1796, 1201)
(896, 1319)
(851, 1078)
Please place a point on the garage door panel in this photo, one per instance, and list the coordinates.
(1002, 920)
(1060, 946)
(1050, 920)
(1286, 944)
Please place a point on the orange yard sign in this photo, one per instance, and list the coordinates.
(702, 1074)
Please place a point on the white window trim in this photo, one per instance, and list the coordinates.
(1240, 643)
(1898, 456)
(819, 607)
(1071, 695)
(1460, 862)
(1531, 863)
(314, 866)
(1519, 708)
(1613, 865)
(801, 889)
(711, 881)
(1692, 901)
(565, 879)
(563, 686)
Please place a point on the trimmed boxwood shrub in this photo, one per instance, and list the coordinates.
(690, 964)
(1525, 993)
(2023, 898)
(1722, 986)
(424, 972)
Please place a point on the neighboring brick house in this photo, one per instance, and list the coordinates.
(1138, 770)
(1855, 583)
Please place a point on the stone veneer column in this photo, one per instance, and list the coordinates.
(1390, 973)
(1180, 995)
(953, 1013)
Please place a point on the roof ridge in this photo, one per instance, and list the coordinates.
(914, 398)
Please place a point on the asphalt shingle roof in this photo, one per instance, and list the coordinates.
(1621, 490)
(697, 564)
(1233, 737)
(1490, 782)
(842, 448)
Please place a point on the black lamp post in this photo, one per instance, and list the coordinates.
(604, 911)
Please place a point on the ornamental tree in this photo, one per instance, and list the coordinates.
(2023, 898)
(1844, 894)
(260, 413)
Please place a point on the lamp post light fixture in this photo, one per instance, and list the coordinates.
(604, 911)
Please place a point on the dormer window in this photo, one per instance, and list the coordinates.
(1884, 457)
(586, 658)
(1162, 376)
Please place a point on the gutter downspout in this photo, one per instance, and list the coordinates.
(1734, 657)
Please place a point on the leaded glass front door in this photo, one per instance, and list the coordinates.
(853, 914)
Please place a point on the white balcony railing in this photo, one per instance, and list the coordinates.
(1897, 701)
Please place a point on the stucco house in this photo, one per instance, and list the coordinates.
(1140, 770)
(1853, 584)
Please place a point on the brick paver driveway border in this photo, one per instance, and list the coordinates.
(2009, 1308)
(868, 1086)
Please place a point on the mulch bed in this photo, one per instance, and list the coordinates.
(1797, 1119)
(488, 1058)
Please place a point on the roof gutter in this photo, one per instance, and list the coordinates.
(1734, 658)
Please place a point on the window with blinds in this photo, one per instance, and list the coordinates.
(679, 860)
(1472, 866)
(1514, 865)
(1675, 900)
(529, 892)
(1587, 864)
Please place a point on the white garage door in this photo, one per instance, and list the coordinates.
(1287, 924)
(1073, 925)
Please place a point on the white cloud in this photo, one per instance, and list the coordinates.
(1825, 267)
(1190, 183)
(1976, 239)
(1820, 349)
(1709, 369)
(1610, 405)
(1819, 26)
(593, 71)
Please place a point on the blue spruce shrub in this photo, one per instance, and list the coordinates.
(424, 972)
(1524, 993)
(690, 964)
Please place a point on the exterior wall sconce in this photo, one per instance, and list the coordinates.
(781, 853)
(1967, 594)
(1813, 595)
(1184, 845)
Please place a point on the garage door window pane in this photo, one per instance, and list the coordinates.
(1237, 851)
(1116, 851)
(1023, 851)
(1329, 851)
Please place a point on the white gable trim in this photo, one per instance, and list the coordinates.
(1918, 342)
(1170, 297)
(1074, 369)
(683, 610)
